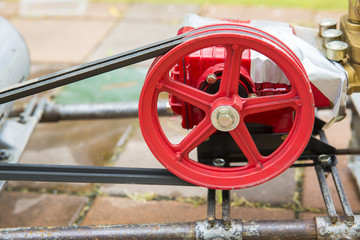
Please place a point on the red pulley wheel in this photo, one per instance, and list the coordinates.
(224, 105)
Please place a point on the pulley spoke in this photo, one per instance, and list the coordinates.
(231, 74)
(247, 145)
(201, 132)
(270, 103)
(187, 93)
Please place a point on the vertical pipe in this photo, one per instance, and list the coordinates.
(226, 215)
(354, 11)
(342, 195)
(211, 206)
(326, 194)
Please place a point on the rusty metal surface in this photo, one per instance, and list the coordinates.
(279, 229)
(340, 230)
(173, 231)
(201, 230)
(342, 195)
(204, 230)
(330, 207)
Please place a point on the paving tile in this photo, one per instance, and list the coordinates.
(129, 34)
(52, 8)
(165, 12)
(41, 69)
(290, 15)
(339, 136)
(121, 85)
(38, 210)
(310, 215)
(8, 9)
(279, 190)
(127, 211)
(247, 213)
(105, 10)
(61, 41)
(137, 154)
(72, 143)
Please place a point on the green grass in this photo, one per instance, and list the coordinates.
(309, 4)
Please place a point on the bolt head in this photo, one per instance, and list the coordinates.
(219, 162)
(324, 159)
(211, 78)
(225, 118)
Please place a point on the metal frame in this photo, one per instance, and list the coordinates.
(346, 226)
(333, 226)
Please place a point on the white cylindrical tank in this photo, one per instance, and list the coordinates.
(14, 61)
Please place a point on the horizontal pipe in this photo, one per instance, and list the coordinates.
(54, 112)
(280, 229)
(252, 230)
(60, 112)
(173, 231)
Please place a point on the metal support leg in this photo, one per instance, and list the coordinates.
(226, 215)
(326, 194)
(342, 195)
(211, 206)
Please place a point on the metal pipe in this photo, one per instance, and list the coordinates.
(280, 229)
(211, 205)
(252, 230)
(348, 151)
(173, 231)
(342, 195)
(326, 194)
(354, 11)
(226, 214)
(59, 112)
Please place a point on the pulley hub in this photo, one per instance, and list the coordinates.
(225, 118)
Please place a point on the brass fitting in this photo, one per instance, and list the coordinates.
(350, 26)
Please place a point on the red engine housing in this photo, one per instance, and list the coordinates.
(194, 69)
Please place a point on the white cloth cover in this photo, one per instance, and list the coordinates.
(328, 76)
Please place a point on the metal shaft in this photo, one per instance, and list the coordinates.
(60, 112)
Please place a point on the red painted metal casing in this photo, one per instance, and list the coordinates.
(194, 68)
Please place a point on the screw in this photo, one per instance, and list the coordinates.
(324, 159)
(211, 78)
(227, 225)
(4, 155)
(225, 118)
(349, 223)
(211, 222)
(219, 162)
